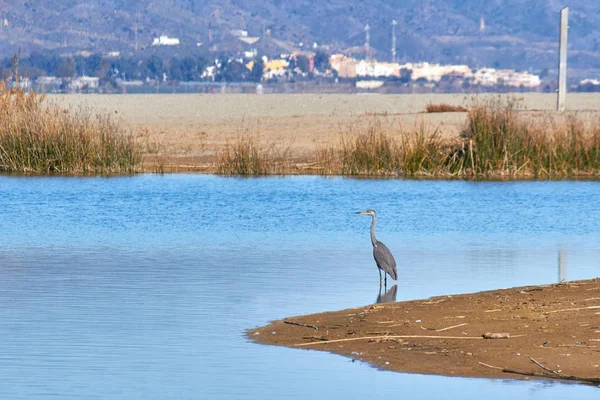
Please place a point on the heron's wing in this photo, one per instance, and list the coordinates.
(384, 259)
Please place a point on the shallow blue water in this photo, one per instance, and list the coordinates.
(142, 287)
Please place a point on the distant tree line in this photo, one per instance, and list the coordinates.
(153, 67)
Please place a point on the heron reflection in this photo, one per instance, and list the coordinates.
(389, 296)
(562, 265)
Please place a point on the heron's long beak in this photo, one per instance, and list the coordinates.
(361, 212)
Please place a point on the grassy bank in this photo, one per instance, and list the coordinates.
(496, 143)
(44, 139)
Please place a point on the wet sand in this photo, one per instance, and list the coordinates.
(185, 131)
(557, 326)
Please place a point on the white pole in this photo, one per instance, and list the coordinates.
(394, 23)
(367, 42)
(562, 64)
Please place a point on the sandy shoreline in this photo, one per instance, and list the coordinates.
(557, 326)
(186, 131)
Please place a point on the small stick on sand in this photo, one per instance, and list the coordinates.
(573, 309)
(442, 329)
(542, 366)
(490, 366)
(286, 321)
(392, 337)
(450, 327)
(433, 301)
(595, 381)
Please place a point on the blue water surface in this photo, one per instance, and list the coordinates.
(142, 287)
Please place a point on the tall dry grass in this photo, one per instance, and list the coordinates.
(248, 156)
(499, 141)
(502, 143)
(381, 150)
(36, 138)
(444, 107)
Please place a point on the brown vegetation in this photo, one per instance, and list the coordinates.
(377, 151)
(485, 143)
(444, 107)
(248, 156)
(35, 138)
(496, 142)
(501, 143)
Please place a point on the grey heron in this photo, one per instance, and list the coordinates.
(383, 256)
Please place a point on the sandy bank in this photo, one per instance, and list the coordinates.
(557, 326)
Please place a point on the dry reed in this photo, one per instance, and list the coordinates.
(35, 138)
(444, 107)
(501, 143)
(498, 142)
(379, 150)
(248, 156)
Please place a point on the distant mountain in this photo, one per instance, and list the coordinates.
(503, 33)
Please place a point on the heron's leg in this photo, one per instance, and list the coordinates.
(385, 275)
(379, 277)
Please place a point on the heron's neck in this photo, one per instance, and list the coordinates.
(373, 223)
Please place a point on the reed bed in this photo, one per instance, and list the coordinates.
(247, 156)
(499, 141)
(40, 139)
(384, 151)
(444, 107)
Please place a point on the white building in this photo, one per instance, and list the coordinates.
(210, 72)
(435, 72)
(164, 40)
(589, 81)
(376, 69)
(89, 82)
(508, 77)
(239, 33)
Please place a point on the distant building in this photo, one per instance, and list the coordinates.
(239, 33)
(369, 84)
(348, 67)
(344, 66)
(209, 73)
(377, 69)
(275, 68)
(134, 83)
(435, 72)
(249, 39)
(590, 82)
(250, 53)
(84, 53)
(164, 40)
(48, 80)
(84, 82)
(507, 77)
